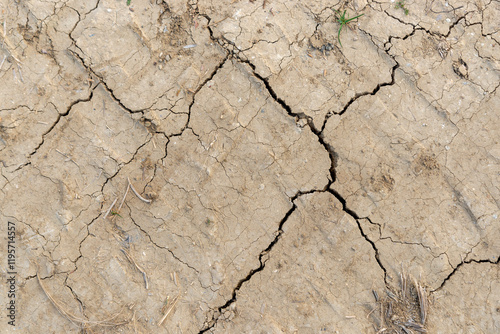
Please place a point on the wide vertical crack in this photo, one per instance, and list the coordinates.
(262, 260)
(320, 135)
(211, 323)
(331, 153)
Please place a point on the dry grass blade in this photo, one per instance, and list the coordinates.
(77, 321)
(175, 278)
(111, 207)
(389, 310)
(422, 299)
(74, 319)
(135, 323)
(3, 60)
(405, 330)
(415, 326)
(20, 73)
(391, 295)
(169, 309)
(136, 193)
(131, 259)
(382, 318)
(124, 196)
(369, 314)
(404, 286)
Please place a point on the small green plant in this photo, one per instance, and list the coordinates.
(343, 21)
(128, 2)
(114, 213)
(401, 4)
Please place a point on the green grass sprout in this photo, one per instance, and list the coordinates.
(343, 21)
(401, 4)
(114, 213)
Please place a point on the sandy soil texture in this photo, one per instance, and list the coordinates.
(250, 166)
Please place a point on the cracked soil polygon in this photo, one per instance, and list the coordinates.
(229, 167)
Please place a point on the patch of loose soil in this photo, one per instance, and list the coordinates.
(230, 167)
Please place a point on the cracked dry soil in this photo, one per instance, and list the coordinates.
(228, 167)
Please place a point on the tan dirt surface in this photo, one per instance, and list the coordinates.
(240, 166)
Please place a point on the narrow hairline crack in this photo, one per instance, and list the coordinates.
(162, 247)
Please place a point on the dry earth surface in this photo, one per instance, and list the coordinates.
(229, 167)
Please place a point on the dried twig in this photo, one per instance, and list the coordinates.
(124, 196)
(73, 318)
(422, 299)
(135, 323)
(3, 60)
(415, 326)
(169, 309)
(404, 286)
(111, 207)
(136, 193)
(68, 158)
(131, 259)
